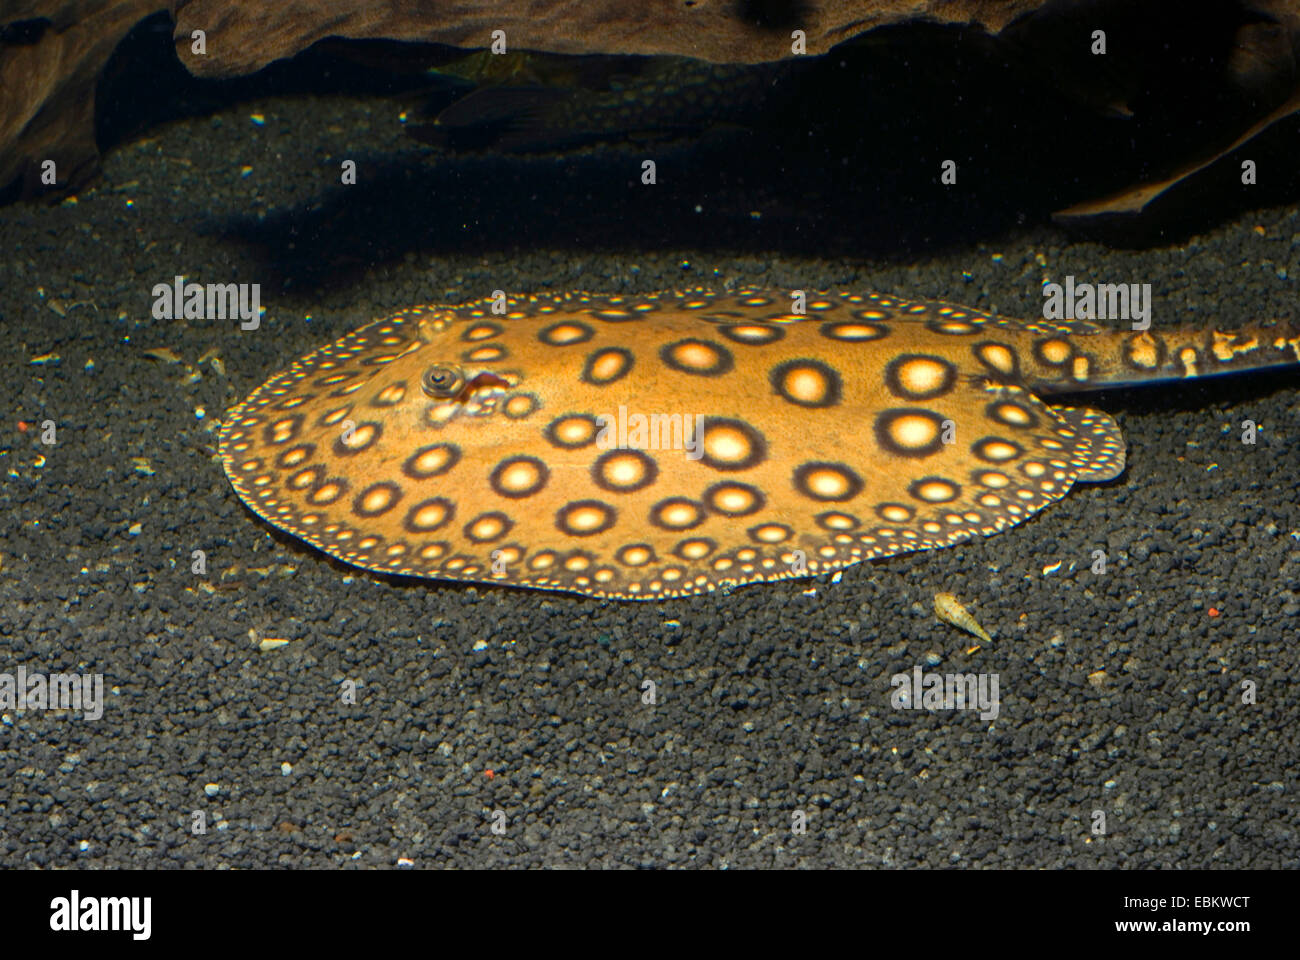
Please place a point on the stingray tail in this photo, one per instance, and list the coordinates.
(1118, 358)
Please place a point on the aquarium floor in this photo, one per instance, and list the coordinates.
(404, 720)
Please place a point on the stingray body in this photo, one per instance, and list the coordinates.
(669, 444)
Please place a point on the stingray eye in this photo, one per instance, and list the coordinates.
(442, 380)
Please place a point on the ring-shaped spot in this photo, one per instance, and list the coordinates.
(306, 478)
(607, 366)
(295, 456)
(751, 334)
(488, 527)
(730, 445)
(806, 383)
(1011, 414)
(827, 482)
(488, 353)
(837, 521)
(895, 512)
(912, 432)
(635, 554)
(377, 499)
(733, 499)
(431, 461)
(566, 333)
(770, 533)
(1053, 351)
(585, 518)
(573, 430)
(997, 450)
(429, 515)
(919, 376)
(483, 330)
(624, 471)
(519, 477)
(934, 490)
(695, 548)
(361, 437)
(702, 358)
(677, 513)
(1000, 358)
(520, 405)
(327, 491)
(854, 331)
(951, 327)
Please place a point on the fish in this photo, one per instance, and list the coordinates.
(647, 446)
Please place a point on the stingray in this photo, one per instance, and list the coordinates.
(662, 445)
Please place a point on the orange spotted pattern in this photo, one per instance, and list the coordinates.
(670, 444)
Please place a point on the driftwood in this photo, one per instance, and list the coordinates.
(52, 52)
(246, 36)
(51, 55)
